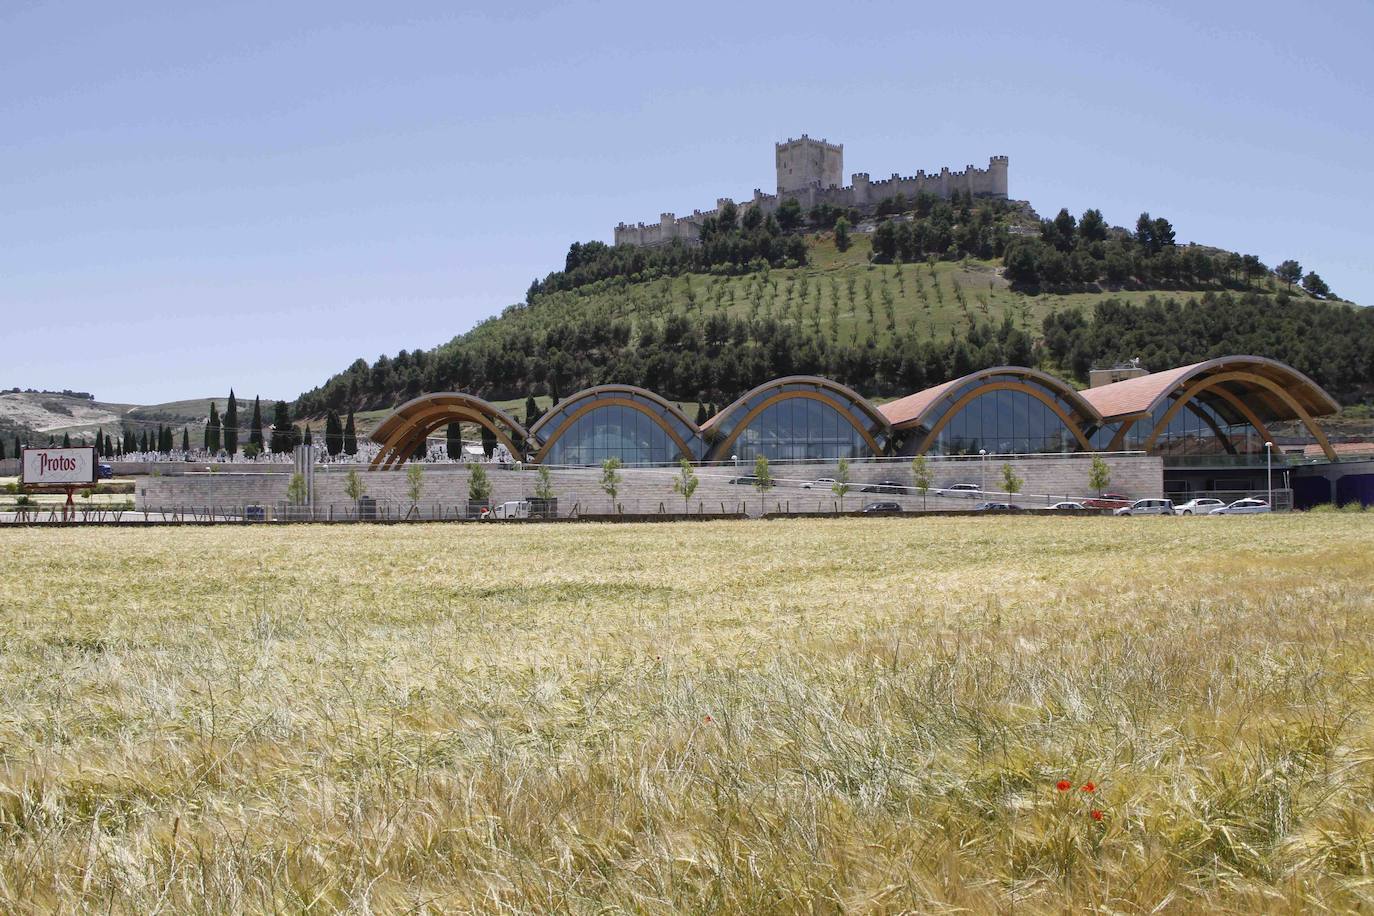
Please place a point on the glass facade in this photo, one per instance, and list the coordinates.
(1004, 422)
(800, 427)
(1194, 430)
(613, 429)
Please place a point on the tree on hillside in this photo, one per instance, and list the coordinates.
(231, 425)
(350, 435)
(842, 239)
(255, 434)
(1162, 234)
(1289, 272)
(1316, 286)
(1092, 227)
(453, 441)
(789, 214)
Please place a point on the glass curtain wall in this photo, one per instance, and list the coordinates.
(613, 431)
(798, 428)
(1004, 422)
(1190, 433)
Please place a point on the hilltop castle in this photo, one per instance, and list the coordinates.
(811, 171)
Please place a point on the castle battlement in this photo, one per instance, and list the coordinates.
(810, 171)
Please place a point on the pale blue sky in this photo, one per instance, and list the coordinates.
(256, 194)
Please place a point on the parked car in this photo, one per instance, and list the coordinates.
(1243, 507)
(104, 471)
(1067, 505)
(1108, 501)
(995, 507)
(1200, 506)
(748, 480)
(1148, 507)
(820, 483)
(969, 490)
(884, 486)
(882, 509)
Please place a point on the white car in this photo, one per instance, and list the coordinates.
(1200, 506)
(820, 483)
(969, 490)
(1067, 505)
(1243, 507)
(1148, 507)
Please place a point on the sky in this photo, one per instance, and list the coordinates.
(200, 196)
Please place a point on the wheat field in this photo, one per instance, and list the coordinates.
(853, 715)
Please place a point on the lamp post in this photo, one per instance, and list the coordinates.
(1269, 471)
(983, 475)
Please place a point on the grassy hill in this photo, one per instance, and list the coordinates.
(43, 414)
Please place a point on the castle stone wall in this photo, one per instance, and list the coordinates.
(809, 170)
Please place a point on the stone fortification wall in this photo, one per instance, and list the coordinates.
(819, 163)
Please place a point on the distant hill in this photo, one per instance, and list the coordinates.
(44, 414)
(920, 296)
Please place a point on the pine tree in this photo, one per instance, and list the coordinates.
(255, 434)
(231, 425)
(350, 435)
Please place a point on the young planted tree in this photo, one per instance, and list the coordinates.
(610, 478)
(415, 485)
(295, 491)
(685, 484)
(922, 477)
(479, 487)
(354, 488)
(841, 485)
(1099, 475)
(543, 491)
(763, 480)
(1011, 482)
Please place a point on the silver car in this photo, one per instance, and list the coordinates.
(1243, 507)
(1200, 506)
(1148, 507)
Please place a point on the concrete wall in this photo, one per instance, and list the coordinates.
(648, 489)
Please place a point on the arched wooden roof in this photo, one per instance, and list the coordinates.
(548, 428)
(401, 433)
(1141, 395)
(821, 383)
(919, 409)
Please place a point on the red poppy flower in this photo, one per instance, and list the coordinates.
(1089, 787)
(1097, 815)
(1063, 785)
(707, 718)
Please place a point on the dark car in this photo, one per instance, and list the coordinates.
(885, 486)
(104, 471)
(748, 481)
(995, 507)
(882, 509)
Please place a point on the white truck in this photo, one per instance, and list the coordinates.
(516, 508)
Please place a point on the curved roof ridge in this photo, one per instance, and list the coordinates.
(819, 381)
(572, 399)
(1142, 394)
(402, 413)
(914, 408)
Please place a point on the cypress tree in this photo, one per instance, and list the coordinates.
(701, 413)
(333, 433)
(143, 441)
(454, 442)
(531, 411)
(488, 442)
(18, 449)
(185, 439)
(66, 440)
(213, 429)
(109, 447)
(2, 450)
(283, 433)
(309, 440)
(255, 434)
(350, 435)
(231, 425)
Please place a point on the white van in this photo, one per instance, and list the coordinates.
(518, 508)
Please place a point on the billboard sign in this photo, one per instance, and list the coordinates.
(59, 467)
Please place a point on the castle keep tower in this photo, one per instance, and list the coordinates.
(808, 163)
